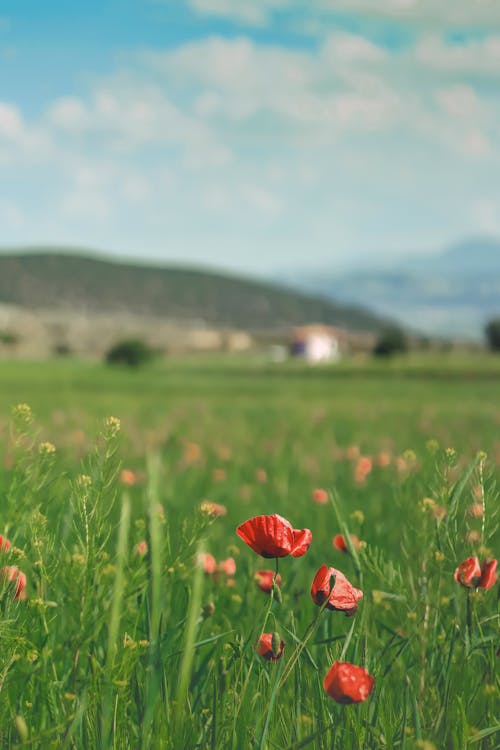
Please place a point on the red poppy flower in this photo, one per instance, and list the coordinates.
(341, 596)
(227, 566)
(270, 646)
(471, 574)
(4, 544)
(128, 477)
(215, 510)
(340, 543)
(16, 576)
(264, 580)
(320, 496)
(141, 549)
(346, 683)
(207, 561)
(273, 536)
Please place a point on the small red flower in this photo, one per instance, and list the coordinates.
(215, 510)
(141, 549)
(14, 575)
(471, 574)
(346, 683)
(4, 544)
(273, 536)
(341, 596)
(227, 566)
(128, 477)
(270, 646)
(320, 496)
(476, 510)
(264, 580)
(207, 561)
(340, 543)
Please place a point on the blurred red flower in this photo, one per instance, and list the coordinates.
(270, 646)
(16, 576)
(320, 496)
(472, 574)
(227, 566)
(207, 561)
(341, 596)
(264, 580)
(273, 536)
(4, 544)
(216, 510)
(346, 683)
(476, 510)
(340, 543)
(128, 477)
(141, 548)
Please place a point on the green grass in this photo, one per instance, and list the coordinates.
(114, 650)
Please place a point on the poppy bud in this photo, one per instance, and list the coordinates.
(347, 683)
(270, 646)
(208, 610)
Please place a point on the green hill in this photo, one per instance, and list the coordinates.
(51, 279)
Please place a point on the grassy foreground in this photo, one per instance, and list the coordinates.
(112, 648)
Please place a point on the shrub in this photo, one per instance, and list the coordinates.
(8, 338)
(391, 341)
(62, 350)
(492, 332)
(131, 352)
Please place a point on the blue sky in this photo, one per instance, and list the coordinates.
(249, 134)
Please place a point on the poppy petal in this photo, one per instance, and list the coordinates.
(488, 574)
(302, 539)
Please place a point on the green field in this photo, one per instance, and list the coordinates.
(111, 649)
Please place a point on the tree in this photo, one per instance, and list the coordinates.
(492, 332)
(131, 352)
(391, 341)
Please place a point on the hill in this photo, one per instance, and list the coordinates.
(449, 293)
(90, 284)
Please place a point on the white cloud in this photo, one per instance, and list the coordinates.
(11, 124)
(438, 14)
(471, 57)
(250, 12)
(443, 13)
(227, 143)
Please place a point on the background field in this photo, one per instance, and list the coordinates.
(111, 650)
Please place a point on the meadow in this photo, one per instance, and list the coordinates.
(120, 495)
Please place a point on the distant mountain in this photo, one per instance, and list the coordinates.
(50, 279)
(452, 293)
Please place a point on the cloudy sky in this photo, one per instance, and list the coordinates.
(249, 134)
